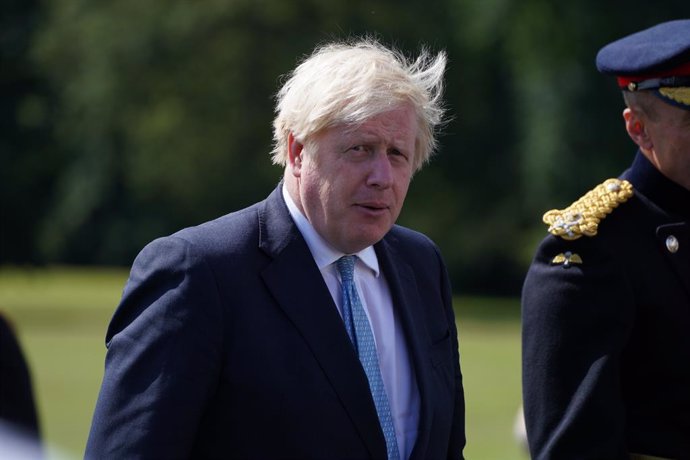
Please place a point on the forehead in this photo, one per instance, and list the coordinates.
(399, 125)
(672, 115)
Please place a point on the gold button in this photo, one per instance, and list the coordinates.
(672, 244)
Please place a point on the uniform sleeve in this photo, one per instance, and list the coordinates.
(163, 357)
(576, 320)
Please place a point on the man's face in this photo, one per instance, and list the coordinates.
(352, 180)
(670, 134)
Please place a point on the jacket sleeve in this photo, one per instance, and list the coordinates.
(576, 320)
(163, 357)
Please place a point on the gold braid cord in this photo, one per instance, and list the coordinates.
(583, 216)
(680, 95)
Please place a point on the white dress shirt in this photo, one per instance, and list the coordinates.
(396, 370)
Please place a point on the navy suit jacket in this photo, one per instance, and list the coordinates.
(227, 344)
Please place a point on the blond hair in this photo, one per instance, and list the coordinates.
(348, 83)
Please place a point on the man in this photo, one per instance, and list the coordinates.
(606, 302)
(245, 337)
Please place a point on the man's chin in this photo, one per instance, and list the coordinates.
(364, 240)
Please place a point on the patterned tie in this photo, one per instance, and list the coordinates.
(359, 330)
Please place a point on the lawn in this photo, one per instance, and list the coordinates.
(61, 315)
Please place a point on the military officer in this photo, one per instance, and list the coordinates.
(606, 301)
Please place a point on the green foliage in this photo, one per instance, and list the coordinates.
(166, 109)
(27, 164)
(130, 119)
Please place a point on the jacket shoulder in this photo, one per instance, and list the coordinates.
(582, 217)
(407, 240)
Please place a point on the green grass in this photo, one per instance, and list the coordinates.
(489, 333)
(61, 315)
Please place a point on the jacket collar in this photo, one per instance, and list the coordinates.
(294, 280)
(662, 191)
(322, 327)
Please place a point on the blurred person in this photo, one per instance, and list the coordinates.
(606, 302)
(308, 325)
(19, 427)
(17, 444)
(519, 431)
(17, 404)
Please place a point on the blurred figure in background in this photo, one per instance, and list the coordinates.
(19, 428)
(606, 302)
(308, 325)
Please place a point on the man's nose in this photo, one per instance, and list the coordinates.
(381, 172)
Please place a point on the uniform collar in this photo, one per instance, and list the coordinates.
(662, 191)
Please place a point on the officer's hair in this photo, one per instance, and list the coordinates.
(643, 102)
(350, 82)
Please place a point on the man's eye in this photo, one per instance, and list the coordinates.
(358, 150)
(397, 153)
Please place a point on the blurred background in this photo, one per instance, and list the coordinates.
(124, 120)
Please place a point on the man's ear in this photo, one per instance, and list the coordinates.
(637, 129)
(295, 149)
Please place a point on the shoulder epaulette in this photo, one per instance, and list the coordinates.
(583, 216)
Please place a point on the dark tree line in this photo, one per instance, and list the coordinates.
(123, 120)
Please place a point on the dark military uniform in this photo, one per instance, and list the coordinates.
(606, 301)
(606, 331)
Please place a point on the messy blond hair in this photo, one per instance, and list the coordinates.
(348, 83)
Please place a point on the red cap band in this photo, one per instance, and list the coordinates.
(680, 71)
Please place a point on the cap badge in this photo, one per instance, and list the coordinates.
(583, 216)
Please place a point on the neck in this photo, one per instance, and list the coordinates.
(681, 178)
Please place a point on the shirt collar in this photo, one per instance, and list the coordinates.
(324, 254)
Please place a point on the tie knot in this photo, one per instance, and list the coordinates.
(346, 267)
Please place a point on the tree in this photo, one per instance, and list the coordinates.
(165, 108)
(162, 118)
(28, 166)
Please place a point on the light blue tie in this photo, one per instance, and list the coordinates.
(359, 330)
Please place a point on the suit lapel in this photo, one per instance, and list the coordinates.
(297, 285)
(409, 307)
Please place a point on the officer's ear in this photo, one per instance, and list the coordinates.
(635, 125)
